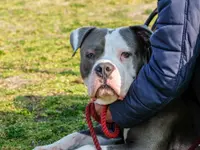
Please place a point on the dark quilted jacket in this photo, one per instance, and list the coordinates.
(175, 48)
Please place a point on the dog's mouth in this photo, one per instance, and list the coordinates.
(105, 91)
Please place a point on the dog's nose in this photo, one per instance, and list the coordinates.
(104, 69)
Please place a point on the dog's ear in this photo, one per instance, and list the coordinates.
(78, 36)
(143, 35)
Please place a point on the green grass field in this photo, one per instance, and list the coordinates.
(42, 97)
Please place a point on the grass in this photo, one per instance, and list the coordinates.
(42, 97)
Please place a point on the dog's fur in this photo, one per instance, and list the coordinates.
(124, 51)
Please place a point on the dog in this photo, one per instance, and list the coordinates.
(110, 62)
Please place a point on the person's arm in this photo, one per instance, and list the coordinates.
(174, 52)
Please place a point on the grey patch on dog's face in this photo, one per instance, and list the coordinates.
(93, 45)
(131, 40)
(129, 37)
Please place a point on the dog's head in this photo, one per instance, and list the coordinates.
(110, 59)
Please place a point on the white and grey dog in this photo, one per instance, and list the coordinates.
(110, 61)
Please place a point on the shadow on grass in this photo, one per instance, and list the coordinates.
(66, 71)
(41, 120)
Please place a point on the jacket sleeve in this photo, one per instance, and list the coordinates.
(175, 47)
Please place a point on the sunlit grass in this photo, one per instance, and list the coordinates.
(42, 96)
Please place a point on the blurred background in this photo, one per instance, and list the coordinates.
(42, 96)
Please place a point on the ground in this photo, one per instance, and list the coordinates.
(42, 96)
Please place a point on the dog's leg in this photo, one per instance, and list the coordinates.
(78, 139)
(70, 141)
(127, 146)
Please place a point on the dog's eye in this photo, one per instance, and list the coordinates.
(90, 55)
(126, 54)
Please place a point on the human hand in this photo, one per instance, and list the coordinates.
(98, 109)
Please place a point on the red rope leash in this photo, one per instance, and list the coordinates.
(104, 124)
(195, 145)
(90, 112)
(89, 122)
